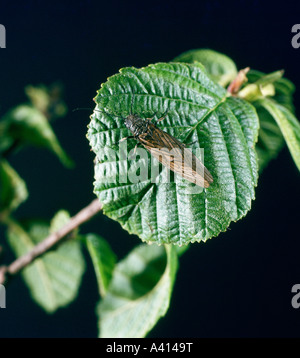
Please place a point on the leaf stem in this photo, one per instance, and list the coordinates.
(82, 216)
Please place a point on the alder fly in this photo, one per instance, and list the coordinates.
(168, 150)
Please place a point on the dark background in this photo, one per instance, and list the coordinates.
(236, 285)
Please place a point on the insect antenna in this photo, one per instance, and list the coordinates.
(82, 108)
(97, 110)
(131, 104)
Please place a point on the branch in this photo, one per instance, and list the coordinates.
(82, 216)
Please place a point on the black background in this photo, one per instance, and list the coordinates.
(236, 285)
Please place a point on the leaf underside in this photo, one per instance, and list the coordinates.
(54, 279)
(13, 190)
(199, 111)
(26, 125)
(103, 259)
(139, 293)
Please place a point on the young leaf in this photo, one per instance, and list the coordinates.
(13, 190)
(288, 124)
(48, 99)
(199, 111)
(27, 125)
(54, 278)
(220, 67)
(103, 259)
(284, 88)
(270, 139)
(139, 293)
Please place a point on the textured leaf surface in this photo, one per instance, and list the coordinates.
(139, 293)
(103, 259)
(220, 67)
(27, 125)
(13, 189)
(54, 279)
(199, 111)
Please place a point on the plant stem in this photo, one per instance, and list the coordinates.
(82, 216)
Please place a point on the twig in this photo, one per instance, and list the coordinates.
(82, 216)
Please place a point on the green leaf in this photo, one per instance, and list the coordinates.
(48, 99)
(5, 139)
(270, 139)
(199, 111)
(54, 278)
(288, 124)
(103, 259)
(284, 88)
(139, 293)
(27, 125)
(220, 67)
(59, 220)
(13, 190)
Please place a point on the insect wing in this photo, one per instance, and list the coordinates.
(174, 155)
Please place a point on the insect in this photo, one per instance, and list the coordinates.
(168, 150)
(165, 148)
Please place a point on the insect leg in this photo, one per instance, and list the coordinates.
(194, 142)
(150, 119)
(122, 140)
(129, 137)
(160, 119)
(163, 117)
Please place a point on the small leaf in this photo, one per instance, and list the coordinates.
(13, 189)
(269, 78)
(270, 139)
(47, 99)
(199, 111)
(284, 88)
(139, 293)
(54, 278)
(60, 219)
(103, 259)
(27, 125)
(261, 88)
(6, 141)
(288, 124)
(220, 67)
